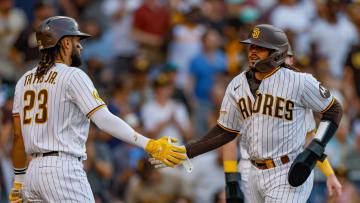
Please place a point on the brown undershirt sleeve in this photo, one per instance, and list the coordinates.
(215, 138)
(334, 113)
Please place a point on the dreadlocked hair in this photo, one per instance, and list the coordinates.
(48, 60)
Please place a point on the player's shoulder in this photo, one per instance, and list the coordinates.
(238, 79)
(75, 73)
(31, 71)
(292, 72)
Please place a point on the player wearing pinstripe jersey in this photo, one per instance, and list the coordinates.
(52, 107)
(266, 105)
(232, 149)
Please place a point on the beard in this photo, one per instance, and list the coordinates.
(75, 58)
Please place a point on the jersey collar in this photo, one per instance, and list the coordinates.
(272, 72)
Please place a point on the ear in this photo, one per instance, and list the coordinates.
(66, 43)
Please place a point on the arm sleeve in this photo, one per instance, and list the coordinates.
(17, 100)
(215, 138)
(116, 127)
(84, 94)
(315, 96)
(229, 115)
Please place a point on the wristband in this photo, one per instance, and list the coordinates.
(230, 166)
(19, 175)
(325, 167)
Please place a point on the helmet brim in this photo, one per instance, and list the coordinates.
(83, 35)
(259, 43)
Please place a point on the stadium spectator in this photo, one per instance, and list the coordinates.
(352, 159)
(204, 68)
(163, 116)
(121, 14)
(156, 186)
(82, 10)
(25, 53)
(340, 35)
(185, 45)
(171, 71)
(151, 28)
(98, 53)
(209, 179)
(12, 22)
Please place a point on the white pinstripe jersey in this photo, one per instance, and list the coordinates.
(55, 110)
(310, 127)
(274, 124)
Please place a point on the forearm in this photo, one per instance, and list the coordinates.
(116, 127)
(329, 123)
(18, 153)
(230, 156)
(18, 150)
(215, 138)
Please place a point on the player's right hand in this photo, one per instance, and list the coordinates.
(232, 189)
(334, 186)
(168, 154)
(156, 163)
(16, 195)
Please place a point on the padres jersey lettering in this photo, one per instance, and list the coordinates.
(279, 107)
(282, 98)
(55, 110)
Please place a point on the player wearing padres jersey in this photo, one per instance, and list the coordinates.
(244, 165)
(231, 164)
(267, 106)
(52, 107)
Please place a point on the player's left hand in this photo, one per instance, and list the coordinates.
(232, 189)
(305, 162)
(16, 195)
(333, 185)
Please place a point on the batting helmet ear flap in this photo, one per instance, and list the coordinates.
(275, 59)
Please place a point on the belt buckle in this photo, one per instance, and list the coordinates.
(270, 163)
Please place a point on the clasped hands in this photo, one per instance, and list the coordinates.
(164, 153)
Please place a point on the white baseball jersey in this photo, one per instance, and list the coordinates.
(245, 164)
(55, 110)
(273, 124)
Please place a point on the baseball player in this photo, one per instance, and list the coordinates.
(244, 165)
(53, 105)
(266, 105)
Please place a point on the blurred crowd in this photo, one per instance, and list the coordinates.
(163, 67)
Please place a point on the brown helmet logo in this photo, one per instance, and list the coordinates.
(256, 33)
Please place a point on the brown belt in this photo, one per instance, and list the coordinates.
(269, 163)
(52, 153)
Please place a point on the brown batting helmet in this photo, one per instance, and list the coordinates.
(53, 29)
(270, 37)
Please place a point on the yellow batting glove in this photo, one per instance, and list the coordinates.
(164, 151)
(15, 195)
